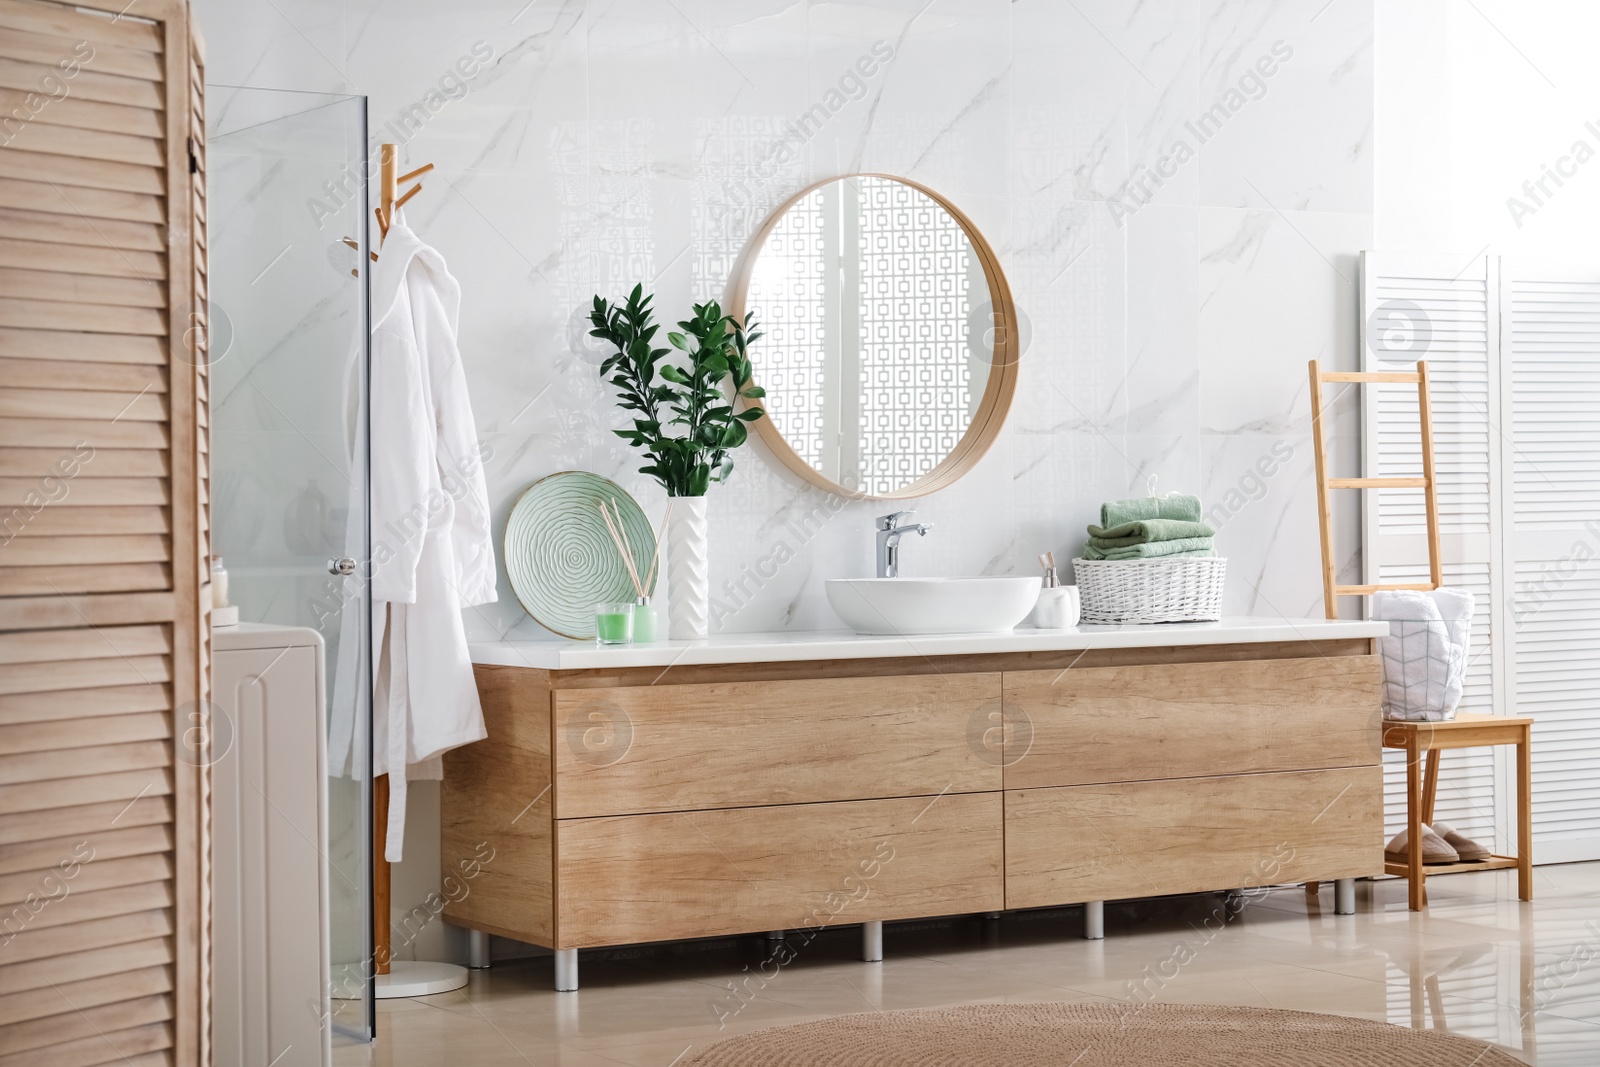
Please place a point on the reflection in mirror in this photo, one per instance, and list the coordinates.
(866, 288)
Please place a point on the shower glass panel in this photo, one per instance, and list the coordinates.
(289, 440)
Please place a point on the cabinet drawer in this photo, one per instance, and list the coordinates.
(686, 747)
(1189, 835)
(1125, 724)
(638, 878)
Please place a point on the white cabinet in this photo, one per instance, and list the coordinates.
(269, 826)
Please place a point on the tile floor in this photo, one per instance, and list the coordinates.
(1478, 963)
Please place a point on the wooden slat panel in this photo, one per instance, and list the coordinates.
(70, 433)
(83, 259)
(124, 1048)
(81, 347)
(103, 844)
(76, 143)
(76, 966)
(131, 548)
(45, 646)
(1189, 835)
(85, 491)
(70, 23)
(79, 201)
(632, 878)
(84, 312)
(91, 759)
(85, 253)
(89, 993)
(79, 996)
(58, 522)
(56, 228)
(99, 731)
(685, 747)
(104, 904)
(82, 404)
(82, 289)
(44, 942)
(78, 173)
(58, 612)
(84, 115)
(106, 462)
(74, 823)
(1122, 724)
(111, 578)
(85, 85)
(132, 378)
(67, 675)
(94, 1023)
(52, 49)
(91, 876)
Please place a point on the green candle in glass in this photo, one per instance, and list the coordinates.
(613, 623)
(643, 619)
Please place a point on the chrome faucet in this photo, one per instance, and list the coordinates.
(889, 533)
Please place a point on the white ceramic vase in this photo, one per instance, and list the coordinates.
(688, 570)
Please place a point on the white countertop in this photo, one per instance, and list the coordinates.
(843, 644)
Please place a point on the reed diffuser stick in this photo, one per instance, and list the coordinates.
(619, 538)
(655, 557)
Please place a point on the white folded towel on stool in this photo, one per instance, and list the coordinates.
(1425, 654)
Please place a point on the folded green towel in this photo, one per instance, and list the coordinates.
(1186, 546)
(1176, 506)
(1138, 533)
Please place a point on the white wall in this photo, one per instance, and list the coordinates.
(624, 140)
(1473, 101)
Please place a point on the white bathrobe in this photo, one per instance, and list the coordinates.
(431, 548)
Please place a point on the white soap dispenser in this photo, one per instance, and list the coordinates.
(1057, 608)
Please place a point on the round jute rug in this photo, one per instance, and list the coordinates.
(1094, 1035)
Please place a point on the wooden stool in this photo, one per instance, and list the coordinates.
(1464, 731)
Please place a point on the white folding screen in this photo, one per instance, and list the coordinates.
(1514, 357)
(1551, 352)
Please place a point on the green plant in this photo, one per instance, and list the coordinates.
(685, 420)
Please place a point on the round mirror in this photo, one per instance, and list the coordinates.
(888, 353)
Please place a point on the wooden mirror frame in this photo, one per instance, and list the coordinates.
(993, 406)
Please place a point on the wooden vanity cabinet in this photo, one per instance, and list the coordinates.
(619, 806)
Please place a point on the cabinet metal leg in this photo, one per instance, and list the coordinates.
(477, 950)
(566, 970)
(872, 942)
(1094, 920)
(1344, 896)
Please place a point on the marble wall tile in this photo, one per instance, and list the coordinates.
(1294, 81)
(1276, 290)
(1260, 496)
(1163, 356)
(1067, 266)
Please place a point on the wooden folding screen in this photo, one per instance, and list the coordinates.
(104, 916)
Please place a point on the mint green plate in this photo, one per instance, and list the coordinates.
(560, 556)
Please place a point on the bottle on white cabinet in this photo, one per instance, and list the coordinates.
(222, 613)
(219, 583)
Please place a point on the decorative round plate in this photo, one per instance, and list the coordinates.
(560, 556)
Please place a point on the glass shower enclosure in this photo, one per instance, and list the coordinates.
(289, 329)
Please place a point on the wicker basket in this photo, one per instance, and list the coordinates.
(1176, 589)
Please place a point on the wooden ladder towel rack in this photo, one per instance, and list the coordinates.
(1331, 589)
(390, 200)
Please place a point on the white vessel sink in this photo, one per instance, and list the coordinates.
(932, 605)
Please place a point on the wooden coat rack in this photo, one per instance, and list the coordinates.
(390, 200)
